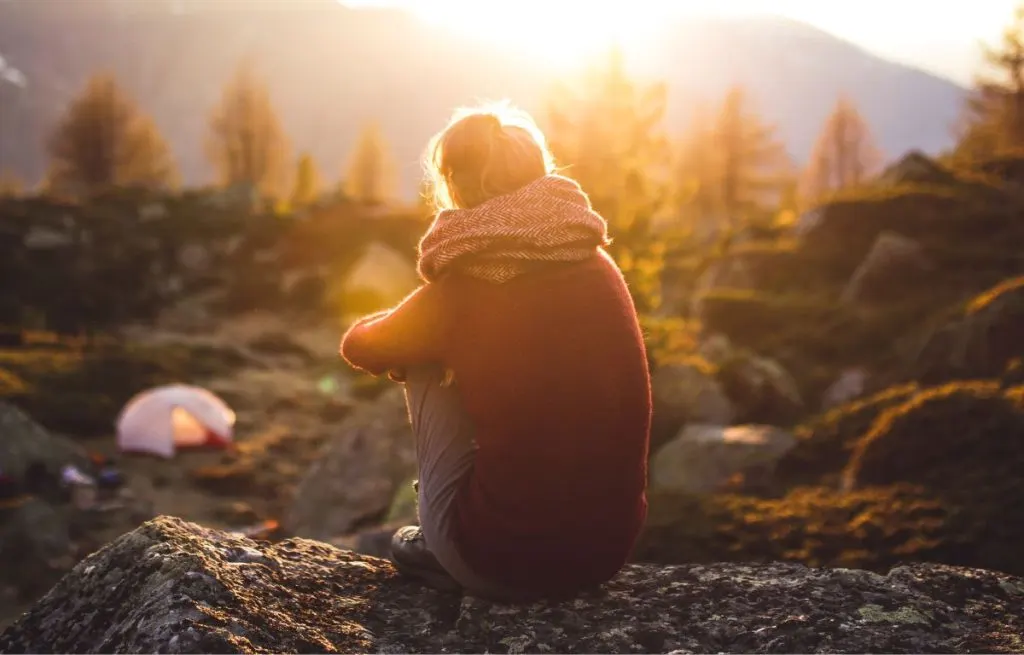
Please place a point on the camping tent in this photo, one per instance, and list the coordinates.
(161, 420)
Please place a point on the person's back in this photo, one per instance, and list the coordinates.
(525, 375)
(552, 372)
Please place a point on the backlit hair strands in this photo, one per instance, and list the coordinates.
(485, 152)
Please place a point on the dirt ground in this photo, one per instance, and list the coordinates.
(290, 392)
(288, 398)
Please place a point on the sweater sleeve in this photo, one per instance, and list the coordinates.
(410, 334)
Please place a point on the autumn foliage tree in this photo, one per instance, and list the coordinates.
(246, 143)
(307, 182)
(993, 119)
(608, 133)
(370, 176)
(697, 196)
(844, 154)
(752, 165)
(731, 171)
(105, 141)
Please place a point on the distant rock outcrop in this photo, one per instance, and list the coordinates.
(176, 246)
(981, 341)
(353, 483)
(174, 587)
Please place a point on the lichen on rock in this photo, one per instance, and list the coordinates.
(175, 587)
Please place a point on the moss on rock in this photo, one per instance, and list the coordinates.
(824, 443)
(871, 529)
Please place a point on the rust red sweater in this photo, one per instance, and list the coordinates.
(552, 371)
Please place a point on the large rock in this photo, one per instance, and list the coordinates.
(761, 389)
(174, 587)
(354, 481)
(850, 384)
(381, 277)
(727, 272)
(979, 342)
(915, 167)
(686, 393)
(35, 544)
(872, 529)
(964, 442)
(825, 442)
(24, 443)
(894, 267)
(703, 458)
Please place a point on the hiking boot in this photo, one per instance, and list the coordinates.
(412, 558)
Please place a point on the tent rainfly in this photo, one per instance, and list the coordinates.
(158, 421)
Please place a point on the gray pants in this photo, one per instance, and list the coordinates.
(445, 450)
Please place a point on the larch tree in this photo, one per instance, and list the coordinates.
(607, 132)
(697, 195)
(752, 162)
(307, 182)
(105, 141)
(993, 117)
(844, 154)
(369, 179)
(246, 143)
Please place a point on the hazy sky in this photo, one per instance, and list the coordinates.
(938, 36)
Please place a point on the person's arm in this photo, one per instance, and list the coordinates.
(410, 334)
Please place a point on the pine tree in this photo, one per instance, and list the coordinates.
(844, 155)
(370, 176)
(246, 143)
(105, 141)
(307, 182)
(993, 118)
(607, 131)
(752, 162)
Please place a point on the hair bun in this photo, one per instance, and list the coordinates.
(484, 126)
(485, 152)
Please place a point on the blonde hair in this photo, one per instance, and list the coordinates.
(484, 152)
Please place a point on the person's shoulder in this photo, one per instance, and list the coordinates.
(601, 265)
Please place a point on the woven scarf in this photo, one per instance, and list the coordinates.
(548, 220)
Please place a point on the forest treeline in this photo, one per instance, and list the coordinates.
(728, 169)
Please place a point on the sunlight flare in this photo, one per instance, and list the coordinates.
(557, 32)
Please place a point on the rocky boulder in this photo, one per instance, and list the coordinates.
(703, 458)
(25, 444)
(684, 393)
(978, 342)
(762, 389)
(35, 544)
(915, 167)
(353, 483)
(894, 267)
(964, 443)
(850, 384)
(825, 442)
(174, 587)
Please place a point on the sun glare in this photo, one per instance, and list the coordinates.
(565, 32)
(557, 31)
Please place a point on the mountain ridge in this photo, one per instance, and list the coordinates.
(332, 68)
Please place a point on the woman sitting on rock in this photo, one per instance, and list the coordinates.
(525, 375)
